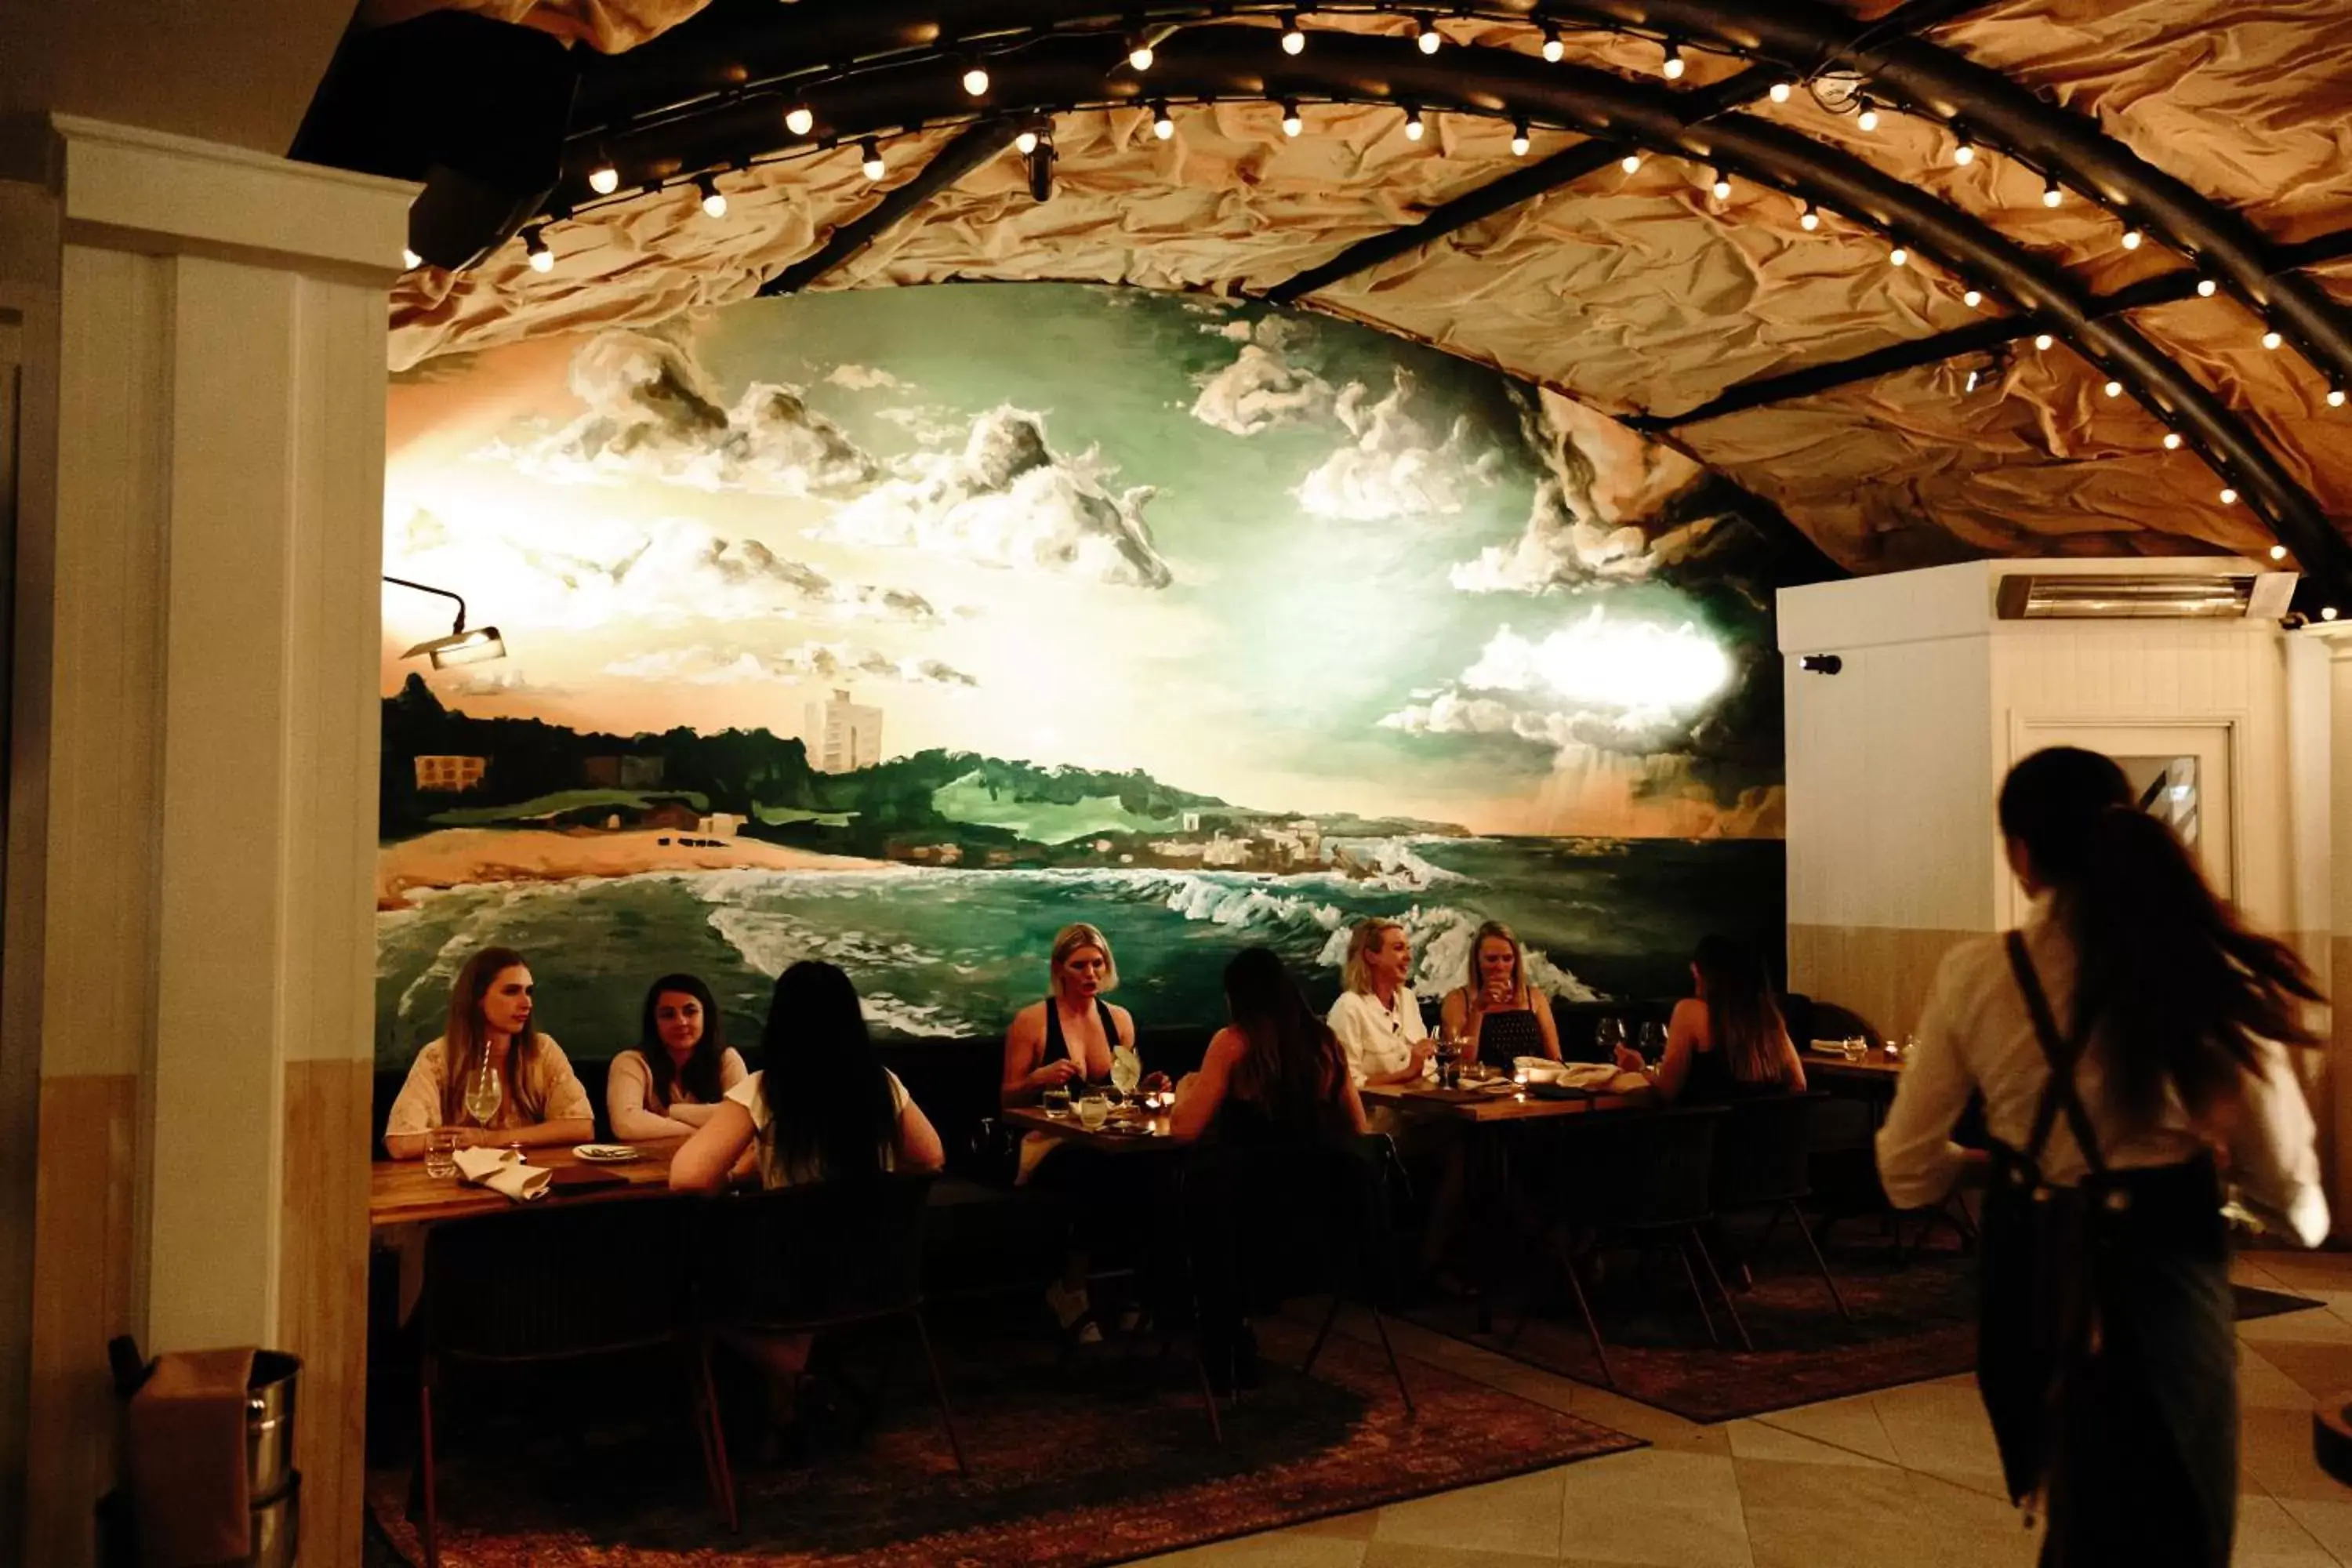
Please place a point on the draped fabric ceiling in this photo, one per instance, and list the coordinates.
(1629, 294)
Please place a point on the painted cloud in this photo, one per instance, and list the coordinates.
(1393, 468)
(1007, 499)
(707, 665)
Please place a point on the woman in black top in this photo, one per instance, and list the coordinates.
(1494, 1008)
(1729, 1039)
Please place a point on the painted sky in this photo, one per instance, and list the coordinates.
(1267, 556)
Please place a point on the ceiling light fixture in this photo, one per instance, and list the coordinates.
(2271, 340)
(534, 245)
(1026, 143)
(2051, 192)
(1898, 257)
(714, 202)
(1412, 126)
(1868, 119)
(975, 78)
(1426, 36)
(2172, 440)
(604, 179)
(1161, 126)
(800, 119)
(2207, 288)
(1782, 91)
(2335, 397)
(1972, 299)
(460, 647)
(1631, 163)
(1965, 153)
(2113, 389)
(1554, 49)
(1041, 170)
(1291, 123)
(870, 155)
(1294, 42)
(2042, 340)
(2132, 237)
(1520, 140)
(1810, 219)
(2278, 551)
(2229, 496)
(1673, 66)
(1972, 381)
(1140, 52)
(1721, 186)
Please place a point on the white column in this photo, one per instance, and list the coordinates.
(2334, 962)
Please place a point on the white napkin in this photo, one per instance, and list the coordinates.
(1587, 1075)
(1540, 1069)
(502, 1171)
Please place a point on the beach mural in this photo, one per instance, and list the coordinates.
(900, 628)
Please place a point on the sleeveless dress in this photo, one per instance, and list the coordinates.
(1057, 1048)
(1505, 1035)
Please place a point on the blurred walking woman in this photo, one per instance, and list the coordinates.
(489, 1040)
(2130, 1028)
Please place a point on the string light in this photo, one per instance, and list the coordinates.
(1810, 219)
(714, 201)
(1412, 128)
(1972, 381)
(975, 79)
(2278, 551)
(534, 245)
(1782, 91)
(1293, 41)
(2172, 440)
(2334, 393)
(1161, 126)
(1897, 257)
(2271, 340)
(2052, 193)
(1631, 163)
(1520, 141)
(1972, 299)
(2328, 612)
(1868, 119)
(409, 260)
(1139, 53)
(1965, 153)
(2229, 496)
(2042, 340)
(1554, 50)
(1674, 66)
(2113, 389)
(871, 156)
(2132, 237)
(1291, 124)
(604, 179)
(2206, 288)
(1426, 36)
(1722, 186)
(800, 119)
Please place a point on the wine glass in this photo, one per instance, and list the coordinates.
(1609, 1036)
(1654, 1041)
(484, 1095)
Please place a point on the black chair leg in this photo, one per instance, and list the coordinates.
(714, 1433)
(1396, 1367)
(1699, 1246)
(424, 1467)
(939, 1392)
(1324, 1333)
(1699, 1297)
(1584, 1307)
(1819, 1261)
(1208, 1391)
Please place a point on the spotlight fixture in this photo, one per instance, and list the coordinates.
(409, 260)
(1026, 143)
(2278, 551)
(2335, 397)
(1674, 66)
(1972, 299)
(604, 179)
(975, 78)
(2271, 340)
(714, 202)
(870, 155)
(1722, 186)
(2113, 389)
(1820, 663)
(1810, 219)
(800, 119)
(2042, 340)
(1291, 123)
(1041, 170)
(460, 647)
(1161, 126)
(2172, 440)
(1782, 91)
(1426, 36)
(1140, 52)
(1294, 42)
(1554, 50)
(1631, 163)
(534, 245)
(1898, 257)
(1412, 126)
(1520, 141)
(2206, 288)
(2052, 193)
(2132, 237)
(1868, 119)
(2229, 496)
(1965, 153)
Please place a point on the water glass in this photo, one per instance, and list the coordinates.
(1093, 1111)
(441, 1152)
(1055, 1100)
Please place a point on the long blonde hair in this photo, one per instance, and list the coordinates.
(1474, 982)
(1069, 939)
(462, 1040)
(1361, 943)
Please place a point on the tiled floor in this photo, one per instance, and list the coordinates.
(1906, 1476)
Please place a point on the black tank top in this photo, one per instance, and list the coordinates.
(1505, 1037)
(1056, 1047)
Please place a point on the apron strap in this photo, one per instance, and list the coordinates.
(2061, 1054)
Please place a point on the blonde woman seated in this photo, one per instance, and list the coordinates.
(678, 1075)
(1068, 1038)
(1377, 1017)
(1729, 1039)
(490, 1078)
(1495, 1009)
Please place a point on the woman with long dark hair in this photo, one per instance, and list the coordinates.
(822, 1108)
(489, 1040)
(1728, 1039)
(2132, 1024)
(681, 1067)
(1276, 1070)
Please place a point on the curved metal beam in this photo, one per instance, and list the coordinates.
(1244, 62)
(976, 145)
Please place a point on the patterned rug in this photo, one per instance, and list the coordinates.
(1073, 1464)
(1912, 1322)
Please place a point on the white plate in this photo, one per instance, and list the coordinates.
(606, 1153)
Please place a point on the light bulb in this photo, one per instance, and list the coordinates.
(1868, 119)
(1631, 163)
(872, 157)
(1782, 91)
(2206, 288)
(1554, 50)
(1965, 153)
(2229, 496)
(975, 79)
(1294, 42)
(714, 202)
(2051, 195)
(1161, 126)
(2334, 393)
(1808, 220)
(2271, 340)
(2328, 611)
(2172, 440)
(1426, 37)
(2113, 389)
(2278, 551)
(2042, 340)
(1972, 381)
(409, 260)
(534, 245)
(1520, 141)
(1722, 187)
(1673, 66)
(1412, 126)
(2132, 237)
(604, 179)
(1291, 124)
(1025, 143)
(1139, 54)
(1972, 299)
(1897, 257)
(800, 119)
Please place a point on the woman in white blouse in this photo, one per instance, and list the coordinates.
(2132, 1026)
(1377, 1017)
(681, 1069)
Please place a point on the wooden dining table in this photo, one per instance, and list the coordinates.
(1876, 1066)
(1483, 1107)
(1131, 1135)
(400, 1192)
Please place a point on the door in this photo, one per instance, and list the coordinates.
(2182, 772)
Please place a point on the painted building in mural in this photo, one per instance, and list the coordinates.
(898, 629)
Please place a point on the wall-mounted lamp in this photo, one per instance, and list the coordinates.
(460, 647)
(1822, 663)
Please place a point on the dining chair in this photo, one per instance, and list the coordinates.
(546, 1283)
(1763, 1159)
(1638, 1177)
(805, 1259)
